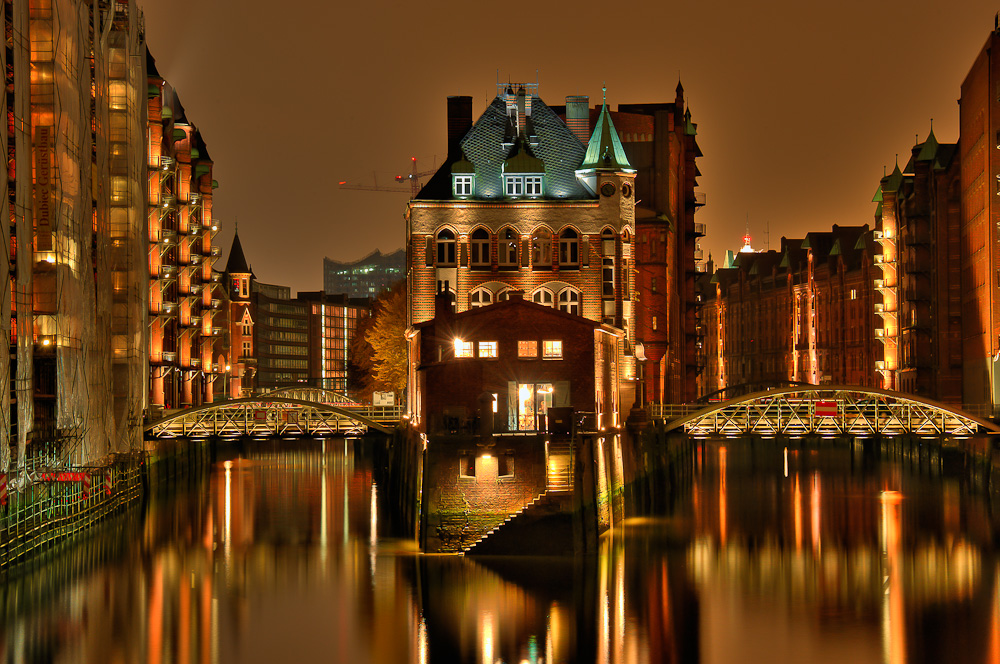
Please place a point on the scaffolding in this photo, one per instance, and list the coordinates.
(76, 190)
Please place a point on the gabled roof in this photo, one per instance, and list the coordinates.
(605, 148)
(237, 262)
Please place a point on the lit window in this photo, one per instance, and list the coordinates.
(854, 294)
(552, 349)
(487, 349)
(247, 331)
(527, 348)
(463, 348)
(514, 185)
(533, 185)
(508, 248)
(569, 301)
(463, 185)
(246, 349)
(541, 245)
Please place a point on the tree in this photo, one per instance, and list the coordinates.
(378, 356)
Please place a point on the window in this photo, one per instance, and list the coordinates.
(505, 465)
(653, 285)
(462, 185)
(508, 248)
(480, 297)
(569, 301)
(514, 185)
(467, 465)
(487, 349)
(246, 348)
(463, 348)
(446, 248)
(533, 185)
(480, 248)
(542, 296)
(527, 348)
(247, 329)
(569, 249)
(541, 248)
(552, 349)
(654, 323)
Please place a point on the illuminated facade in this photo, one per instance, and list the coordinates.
(979, 153)
(242, 374)
(803, 313)
(660, 142)
(73, 379)
(187, 350)
(522, 203)
(917, 225)
(333, 324)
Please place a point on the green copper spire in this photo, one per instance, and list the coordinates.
(929, 149)
(605, 148)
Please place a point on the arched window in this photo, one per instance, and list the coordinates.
(508, 248)
(541, 248)
(542, 296)
(569, 301)
(480, 248)
(569, 249)
(480, 297)
(446, 248)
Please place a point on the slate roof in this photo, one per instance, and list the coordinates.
(237, 263)
(487, 146)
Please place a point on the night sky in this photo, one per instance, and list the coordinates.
(799, 105)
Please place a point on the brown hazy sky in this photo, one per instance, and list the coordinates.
(799, 105)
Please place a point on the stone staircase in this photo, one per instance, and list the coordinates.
(542, 527)
(559, 473)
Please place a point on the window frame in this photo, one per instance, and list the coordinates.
(481, 301)
(553, 351)
(462, 185)
(486, 345)
(463, 349)
(513, 185)
(523, 351)
(544, 292)
(533, 186)
(569, 304)
(446, 248)
(541, 248)
(479, 256)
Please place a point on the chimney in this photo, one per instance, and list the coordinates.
(444, 303)
(521, 111)
(578, 116)
(459, 123)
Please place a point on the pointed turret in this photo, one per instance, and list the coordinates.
(605, 149)
(929, 149)
(237, 263)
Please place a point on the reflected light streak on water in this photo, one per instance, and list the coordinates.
(720, 574)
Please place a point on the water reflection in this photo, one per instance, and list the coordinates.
(766, 554)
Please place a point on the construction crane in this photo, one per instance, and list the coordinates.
(413, 177)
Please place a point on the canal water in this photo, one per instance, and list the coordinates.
(285, 553)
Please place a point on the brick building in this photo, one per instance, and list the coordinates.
(496, 390)
(804, 313)
(979, 154)
(522, 203)
(918, 276)
(186, 318)
(660, 142)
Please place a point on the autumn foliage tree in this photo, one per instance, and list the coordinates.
(378, 353)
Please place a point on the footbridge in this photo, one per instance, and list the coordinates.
(307, 412)
(828, 410)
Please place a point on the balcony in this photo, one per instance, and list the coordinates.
(195, 199)
(699, 254)
(216, 303)
(216, 331)
(193, 321)
(168, 236)
(168, 201)
(168, 271)
(699, 198)
(166, 163)
(196, 259)
(700, 228)
(216, 277)
(216, 251)
(194, 227)
(169, 356)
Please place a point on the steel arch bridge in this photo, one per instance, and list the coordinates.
(830, 410)
(316, 394)
(267, 416)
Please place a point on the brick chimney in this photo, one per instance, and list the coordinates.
(459, 123)
(578, 116)
(444, 304)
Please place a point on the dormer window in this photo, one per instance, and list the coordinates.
(532, 185)
(514, 185)
(462, 185)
